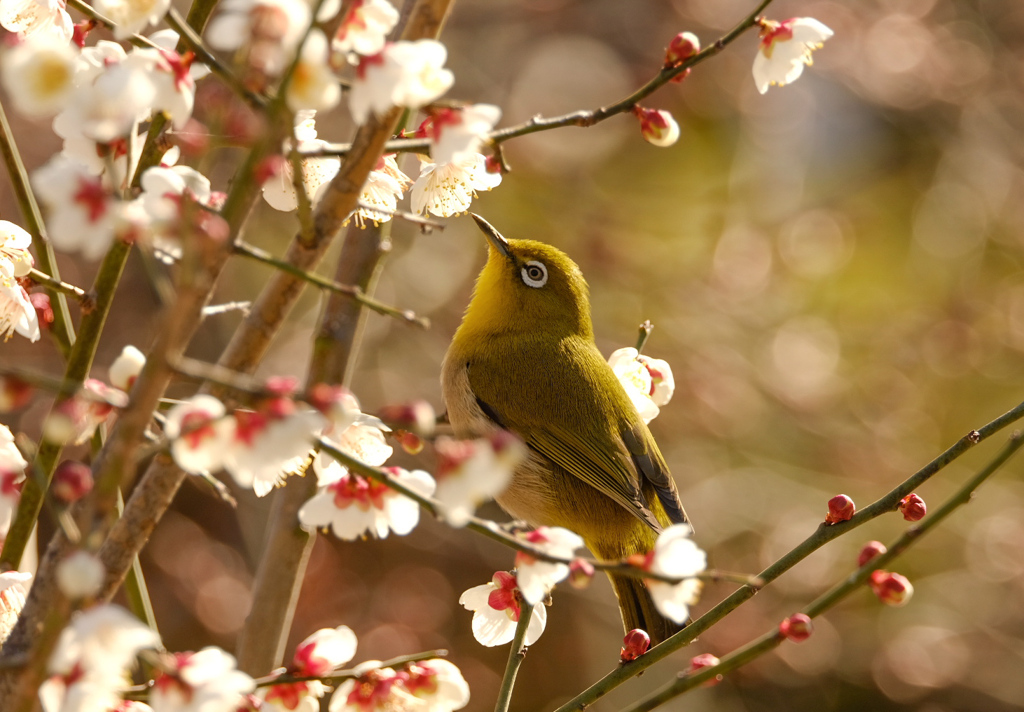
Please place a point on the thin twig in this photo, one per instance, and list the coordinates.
(516, 655)
(57, 285)
(349, 674)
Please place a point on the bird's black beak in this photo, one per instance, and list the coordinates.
(493, 236)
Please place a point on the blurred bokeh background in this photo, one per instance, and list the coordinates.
(834, 272)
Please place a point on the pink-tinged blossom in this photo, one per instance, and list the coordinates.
(457, 134)
(406, 74)
(74, 420)
(15, 259)
(72, 480)
(448, 189)
(437, 684)
(537, 577)
(313, 86)
(39, 75)
(103, 642)
(12, 475)
(470, 472)
(355, 433)
(648, 381)
(892, 589)
(267, 446)
(80, 575)
(785, 49)
(681, 48)
(29, 18)
(496, 607)
(674, 555)
(365, 27)
(13, 587)
(17, 313)
(383, 189)
(356, 506)
(173, 83)
(324, 651)
(166, 192)
(81, 211)
(376, 690)
(204, 681)
(14, 393)
(126, 368)
(279, 188)
(657, 126)
(200, 434)
(269, 30)
(132, 16)
(840, 509)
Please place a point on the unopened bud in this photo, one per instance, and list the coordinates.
(268, 168)
(681, 48)
(493, 165)
(657, 126)
(82, 30)
(71, 481)
(410, 442)
(870, 551)
(126, 368)
(798, 627)
(417, 416)
(194, 138)
(705, 660)
(892, 589)
(634, 645)
(840, 509)
(581, 573)
(41, 302)
(913, 508)
(14, 393)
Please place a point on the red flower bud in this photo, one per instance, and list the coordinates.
(41, 302)
(417, 416)
(71, 481)
(581, 573)
(891, 589)
(705, 660)
(634, 645)
(840, 509)
(913, 508)
(14, 393)
(410, 442)
(681, 48)
(798, 627)
(870, 551)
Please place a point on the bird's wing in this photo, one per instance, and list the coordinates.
(572, 443)
(650, 463)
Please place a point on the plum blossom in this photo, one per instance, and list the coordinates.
(80, 575)
(81, 211)
(75, 419)
(12, 474)
(648, 381)
(13, 587)
(166, 191)
(676, 555)
(458, 134)
(269, 31)
(446, 189)
(132, 16)
(657, 126)
(536, 577)
(204, 681)
(352, 431)
(111, 99)
(355, 506)
(437, 683)
(430, 686)
(892, 589)
(269, 443)
(15, 259)
(496, 607)
(316, 656)
(365, 27)
(200, 434)
(29, 18)
(126, 368)
(173, 80)
(39, 74)
(785, 49)
(383, 189)
(470, 472)
(313, 85)
(17, 313)
(407, 74)
(279, 188)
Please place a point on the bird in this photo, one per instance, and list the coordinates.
(524, 360)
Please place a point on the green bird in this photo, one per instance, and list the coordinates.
(524, 359)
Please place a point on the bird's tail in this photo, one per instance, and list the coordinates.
(638, 610)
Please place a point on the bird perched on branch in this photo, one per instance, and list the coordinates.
(524, 359)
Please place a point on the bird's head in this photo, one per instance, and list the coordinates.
(528, 286)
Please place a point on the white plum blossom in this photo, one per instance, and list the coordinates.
(29, 18)
(132, 16)
(657, 126)
(354, 506)
(267, 446)
(279, 189)
(675, 554)
(80, 575)
(126, 368)
(785, 49)
(313, 85)
(12, 475)
(536, 577)
(75, 419)
(378, 689)
(163, 190)
(407, 74)
(13, 587)
(17, 313)
(15, 259)
(365, 27)
(352, 431)
(81, 212)
(438, 684)
(383, 189)
(204, 681)
(269, 29)
(648, 381)
(496, 607)
(200, 434)
(39, 74)
(470, 472)
(457, 134)
(108, 103)
(448, 189)
(173, 81)
(316, 656)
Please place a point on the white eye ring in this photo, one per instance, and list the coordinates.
(535, 274)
